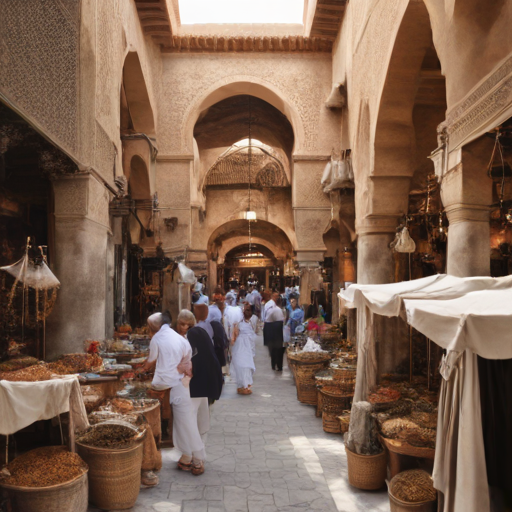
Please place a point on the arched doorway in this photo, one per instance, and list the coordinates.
(264, 260)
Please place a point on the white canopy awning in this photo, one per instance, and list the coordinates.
(465, 316)
(456, 313)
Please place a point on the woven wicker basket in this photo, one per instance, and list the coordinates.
(333, 402)
(345, 379)
(330, 423)
(321, 380)
(114, 475)
(70, 496)
(305, 372)
(366, 472)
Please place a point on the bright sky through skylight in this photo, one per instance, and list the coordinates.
(241, 11)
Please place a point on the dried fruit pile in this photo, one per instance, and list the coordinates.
(35, 373)
(75, 363)
(384, 395)
(109, 436)
(408, 431)
(413, 486)
(43, 467)
(17, 363)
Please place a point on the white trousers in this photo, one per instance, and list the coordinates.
(186, 436)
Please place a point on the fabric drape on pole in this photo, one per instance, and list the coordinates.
(458, 314)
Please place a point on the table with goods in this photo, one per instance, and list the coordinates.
(115, 433)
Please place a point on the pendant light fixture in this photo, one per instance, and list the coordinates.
(249, 214)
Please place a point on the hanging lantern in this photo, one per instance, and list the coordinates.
(249, 215)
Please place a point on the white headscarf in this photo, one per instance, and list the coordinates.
(155, 322)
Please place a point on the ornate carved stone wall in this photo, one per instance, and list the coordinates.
(303, 81)
(39, 64)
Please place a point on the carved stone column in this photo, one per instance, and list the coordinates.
(375, 264)
(466, 192)
(81, 264)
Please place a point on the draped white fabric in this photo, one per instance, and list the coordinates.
(466, 316)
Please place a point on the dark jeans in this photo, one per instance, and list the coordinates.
(276, 357)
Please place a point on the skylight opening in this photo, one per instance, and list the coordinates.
(245, 142)
(241, 11)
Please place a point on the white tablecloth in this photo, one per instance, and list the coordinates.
(23, 403)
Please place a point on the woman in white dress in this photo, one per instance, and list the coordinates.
(243, 350)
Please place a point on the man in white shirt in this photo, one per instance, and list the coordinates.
(168, 350)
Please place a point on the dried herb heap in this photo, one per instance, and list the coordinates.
(43, 467)
(413, 486)
(35, 373)
(109, 436)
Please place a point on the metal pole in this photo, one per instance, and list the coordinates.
(410, 353)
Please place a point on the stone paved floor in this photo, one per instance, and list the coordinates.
(266, 452)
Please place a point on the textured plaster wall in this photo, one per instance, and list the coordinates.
(62, 67)
(361, 56)
(471, 38)
(302, 82)
(272, 205)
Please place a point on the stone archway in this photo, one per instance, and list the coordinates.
(239, 85)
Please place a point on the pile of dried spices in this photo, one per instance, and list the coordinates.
(413, 486)
(384, 395)
(76, 363)
(35, 373)
(109, 435)
(17, 363)
(43, 467)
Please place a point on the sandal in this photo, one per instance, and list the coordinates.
(198, 468)
(246, 391)
(185, 466)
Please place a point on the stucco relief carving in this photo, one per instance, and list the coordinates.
(104, 154)
(173, 184)
(71, 196)
(486, 101)
(98, 199)
(307, 187)
(371, 57)
(303, 81)
(109, 59)
(310, 226)
(42, 83)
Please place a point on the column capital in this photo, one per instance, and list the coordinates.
(467, 213)
(375, 225)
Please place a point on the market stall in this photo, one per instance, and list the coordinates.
(458, 314)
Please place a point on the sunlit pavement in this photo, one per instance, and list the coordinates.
(266, 452)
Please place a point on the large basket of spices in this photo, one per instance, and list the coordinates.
(307, 365)
(334, 402)
(113, 451)
(366, 472)
(384, 398)
(322, 378)
(344, 376)
(412, 491)
(48, 479)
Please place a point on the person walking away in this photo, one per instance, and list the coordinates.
(273, 332)
(243, 351)
(220, 342)
(201, 315)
